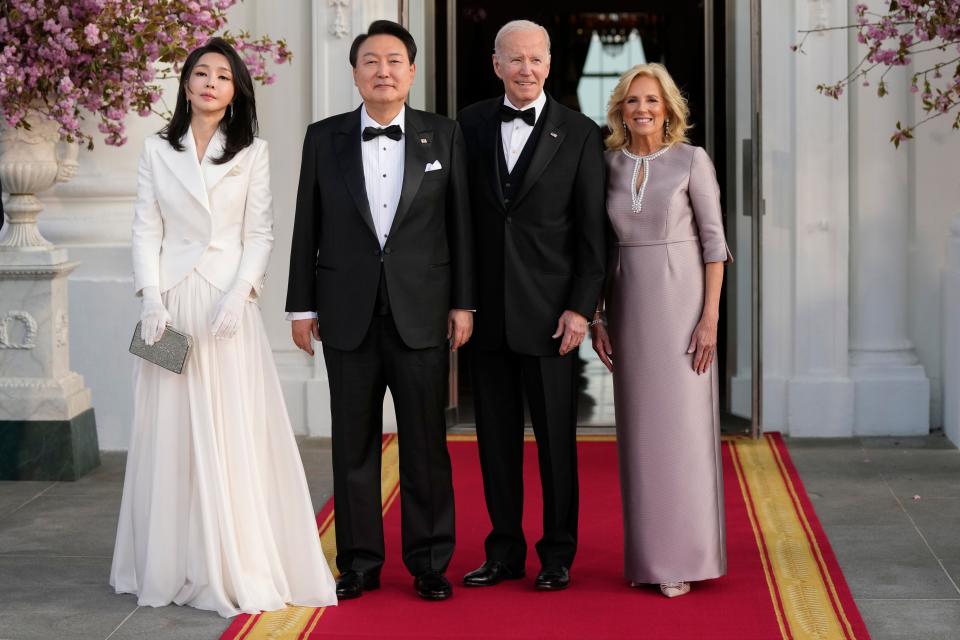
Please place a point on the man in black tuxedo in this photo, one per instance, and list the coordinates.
(537, 188)
(382, 258)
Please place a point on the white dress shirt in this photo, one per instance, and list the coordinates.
(514, 134)
(382, 172)
(383, 178)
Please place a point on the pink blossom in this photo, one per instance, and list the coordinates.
(92, 32)
(68, 65)
(894, 37)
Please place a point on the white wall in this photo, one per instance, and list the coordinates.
(805, 237)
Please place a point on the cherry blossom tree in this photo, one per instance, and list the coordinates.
(926, 32)
(72, 59)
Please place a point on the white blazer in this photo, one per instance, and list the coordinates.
(215, 218)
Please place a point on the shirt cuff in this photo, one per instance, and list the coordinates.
(301, 315)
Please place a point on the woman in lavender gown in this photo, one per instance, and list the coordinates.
(656, 330)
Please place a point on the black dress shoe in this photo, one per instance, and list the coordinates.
(491, 573)
(352, 584)
(432, 585)
(553, 579)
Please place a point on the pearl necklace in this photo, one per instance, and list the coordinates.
(643, 161)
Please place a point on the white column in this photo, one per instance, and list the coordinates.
(819, 392)
(892, 390)
(951, 336)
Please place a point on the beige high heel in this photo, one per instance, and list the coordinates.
(674, 589)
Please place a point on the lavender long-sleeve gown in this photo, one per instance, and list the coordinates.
(668, 427)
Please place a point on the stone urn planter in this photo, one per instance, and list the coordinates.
(30, 162)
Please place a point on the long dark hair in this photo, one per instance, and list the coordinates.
(239, 125)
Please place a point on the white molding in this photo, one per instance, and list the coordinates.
(339, 27)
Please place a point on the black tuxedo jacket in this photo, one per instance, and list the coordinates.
(545, 251)
(335, 258)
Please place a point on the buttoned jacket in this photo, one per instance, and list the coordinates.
(336, 259)
(216, 219)
(543, 251)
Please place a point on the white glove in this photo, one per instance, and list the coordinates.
(154, 317)
(226, 320)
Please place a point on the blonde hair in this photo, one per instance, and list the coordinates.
(677, 111)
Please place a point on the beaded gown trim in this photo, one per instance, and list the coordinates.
(644, 161)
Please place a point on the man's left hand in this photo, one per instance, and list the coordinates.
(573, 327)
(459, 327)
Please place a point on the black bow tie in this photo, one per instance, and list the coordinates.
(508, 114)
(394, 132)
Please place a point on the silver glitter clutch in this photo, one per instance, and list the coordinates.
(170, 351)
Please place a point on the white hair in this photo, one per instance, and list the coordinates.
(513, 27)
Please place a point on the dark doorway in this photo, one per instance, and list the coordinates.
(673, 33)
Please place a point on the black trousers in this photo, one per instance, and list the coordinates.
(417, 379)
(501, 379)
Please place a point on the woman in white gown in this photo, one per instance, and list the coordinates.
(216, 513)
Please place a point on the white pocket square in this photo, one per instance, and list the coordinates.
(433, 166)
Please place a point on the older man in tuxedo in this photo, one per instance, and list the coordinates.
(381, 271)
(537, 189)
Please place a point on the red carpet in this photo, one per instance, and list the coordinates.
(782, 581)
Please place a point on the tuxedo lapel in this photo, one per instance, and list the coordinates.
(347, 144)
(550, 140)
(186, 168)
(491, 145)
(417, 143)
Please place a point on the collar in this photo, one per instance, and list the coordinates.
(214, 148)
(537, 104)
(367, 121)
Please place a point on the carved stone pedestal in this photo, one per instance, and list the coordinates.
(47, 425)
(47, 428)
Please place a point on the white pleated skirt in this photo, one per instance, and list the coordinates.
(216, 513)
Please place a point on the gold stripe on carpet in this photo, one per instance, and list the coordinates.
(758, 536)
(794, 571)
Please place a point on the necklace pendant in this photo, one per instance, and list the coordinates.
(644, 161)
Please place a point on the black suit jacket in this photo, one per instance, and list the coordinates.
(335, 257)
(545, 251)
